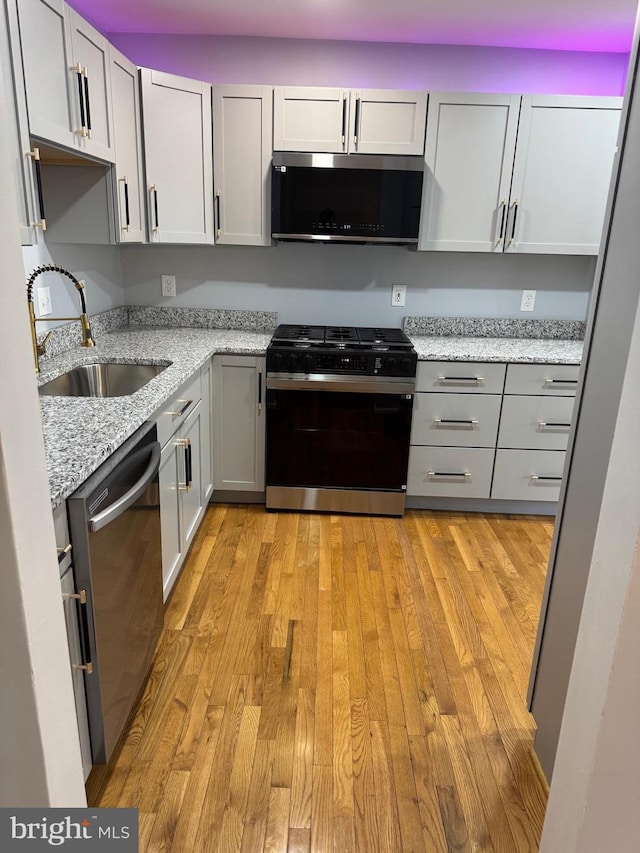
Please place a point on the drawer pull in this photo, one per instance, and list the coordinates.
(551, 425)
(449, 475)
(475, 380)
(187, 403)
(469, 423)
(549, 382)
(539, 478)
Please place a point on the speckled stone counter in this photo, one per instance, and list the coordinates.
(547, 351)
(80, 433)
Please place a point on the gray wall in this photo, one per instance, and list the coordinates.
(352, 284)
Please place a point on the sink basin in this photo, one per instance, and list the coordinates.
(101, 379)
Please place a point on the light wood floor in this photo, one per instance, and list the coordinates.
(336, 683)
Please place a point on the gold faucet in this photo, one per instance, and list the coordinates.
(39, 349)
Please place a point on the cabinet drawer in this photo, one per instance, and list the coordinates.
(528, 475)
(540, 423)
(559, 380)
(455, 420)
(464, 376)
(450, 472)
(173, 413)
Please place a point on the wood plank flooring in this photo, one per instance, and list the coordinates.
(336, 683)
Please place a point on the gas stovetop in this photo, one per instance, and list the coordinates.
(341, 349)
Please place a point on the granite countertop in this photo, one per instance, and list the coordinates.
(548, 351)
(496, 339)
(80, 432)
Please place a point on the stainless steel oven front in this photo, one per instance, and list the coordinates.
(338, 443)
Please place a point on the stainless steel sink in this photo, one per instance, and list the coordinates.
(101, 379)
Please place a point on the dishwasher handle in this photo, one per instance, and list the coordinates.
(97, 522)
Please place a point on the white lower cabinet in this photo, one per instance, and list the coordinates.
(528, 475)
(238, 423)
(490, 430)
(450, 472)
(185, 472)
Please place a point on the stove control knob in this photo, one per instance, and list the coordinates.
(405, 366)
(307, 362)
(390, 363)
(292, 360)
(275, 362)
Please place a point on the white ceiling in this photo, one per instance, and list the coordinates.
(601, 25)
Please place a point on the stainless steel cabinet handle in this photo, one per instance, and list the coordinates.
(449, 475)
(218, 219)
(549, 382)
(186, 405)
(81, 602)
(500, 219)
(469, 422)
(514, 207)
(35, 156)
(185, 443)
(127, 219)
(540, 478)
(154, 189)
(551, 425)
(476, 380)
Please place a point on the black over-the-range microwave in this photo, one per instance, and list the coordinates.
(354, 198)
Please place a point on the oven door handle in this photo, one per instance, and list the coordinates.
(97, 522)
(344, 384)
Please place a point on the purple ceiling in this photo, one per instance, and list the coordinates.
(591, 25)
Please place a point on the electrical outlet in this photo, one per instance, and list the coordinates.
(168, 285)
(44, 301)
(398, 294)
(528, 300)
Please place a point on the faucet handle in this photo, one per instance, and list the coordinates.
(42, 346)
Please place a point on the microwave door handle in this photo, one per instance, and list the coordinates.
(97, 522)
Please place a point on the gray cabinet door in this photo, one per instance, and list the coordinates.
(310, 119)
(242, 129)
(178, 155)
(469, 153)
(90, 51)
(238, 423)
(562, 172)
(387, 121)
(171, 512)
(50, 83)
(13, 79)
(127, 135)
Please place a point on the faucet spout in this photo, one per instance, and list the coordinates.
(39, 349)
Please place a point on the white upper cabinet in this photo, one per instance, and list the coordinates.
(368, 121)
(242, 128)
(66, 78)
(562, 172)
(127, 131)
(19, 145)
(517, 174)
(178, 156)
(470, 146)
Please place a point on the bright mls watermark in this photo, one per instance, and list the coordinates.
(33, 830)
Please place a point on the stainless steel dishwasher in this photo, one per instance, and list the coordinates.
(114, 520)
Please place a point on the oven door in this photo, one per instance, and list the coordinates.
(336, 449)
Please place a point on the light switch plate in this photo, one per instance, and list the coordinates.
(44, 301)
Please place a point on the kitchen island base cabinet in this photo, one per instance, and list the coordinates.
(238, 423)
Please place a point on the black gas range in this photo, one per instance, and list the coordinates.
(339, 407)
(341, 350)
